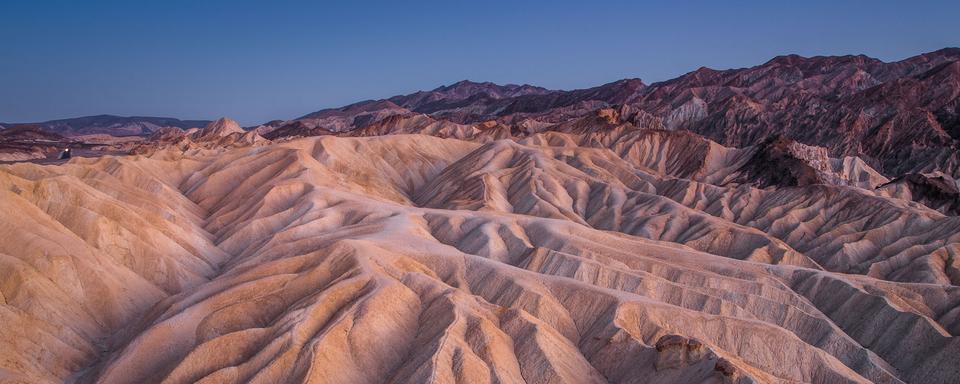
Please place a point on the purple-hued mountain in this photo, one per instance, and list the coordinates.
(112, 125)
(899, 116)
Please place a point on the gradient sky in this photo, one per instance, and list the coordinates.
(258, 61)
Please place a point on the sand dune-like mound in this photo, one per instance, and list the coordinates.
(570, 256)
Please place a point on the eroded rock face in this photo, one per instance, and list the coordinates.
(220, 128)
(697, 362)
(786, 163)
(220, 134)
(935, 190)
(411, 258)
(675, 351)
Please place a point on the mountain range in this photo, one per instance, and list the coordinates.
(900, 117)
(793, 222)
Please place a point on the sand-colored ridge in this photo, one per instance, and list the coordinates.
(556, 258)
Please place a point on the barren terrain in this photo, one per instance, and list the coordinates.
(559, 239)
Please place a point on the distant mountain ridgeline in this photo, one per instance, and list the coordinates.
(900, 117)
(112, 125)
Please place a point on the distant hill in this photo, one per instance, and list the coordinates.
(113, 125)
(28, 132)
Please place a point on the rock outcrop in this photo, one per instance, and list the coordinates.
(935, 190)
(218, 135)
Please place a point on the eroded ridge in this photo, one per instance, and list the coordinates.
(639, 257)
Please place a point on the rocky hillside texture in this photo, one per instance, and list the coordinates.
(616, 256)
(506, 234)
(900, 117)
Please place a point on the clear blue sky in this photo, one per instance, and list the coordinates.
(257, 61)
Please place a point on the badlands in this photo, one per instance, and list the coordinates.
(580, 242)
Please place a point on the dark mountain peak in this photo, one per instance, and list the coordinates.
(463, 93)
(632, 82)
(935, 190)
(464, 89)
(616, 92)
(928, 60)
(356, 108)
(464, 84)
(791, 59)
(371, 105)
(704, 73)
(815, 65)
(830, 64)
(949, 53)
